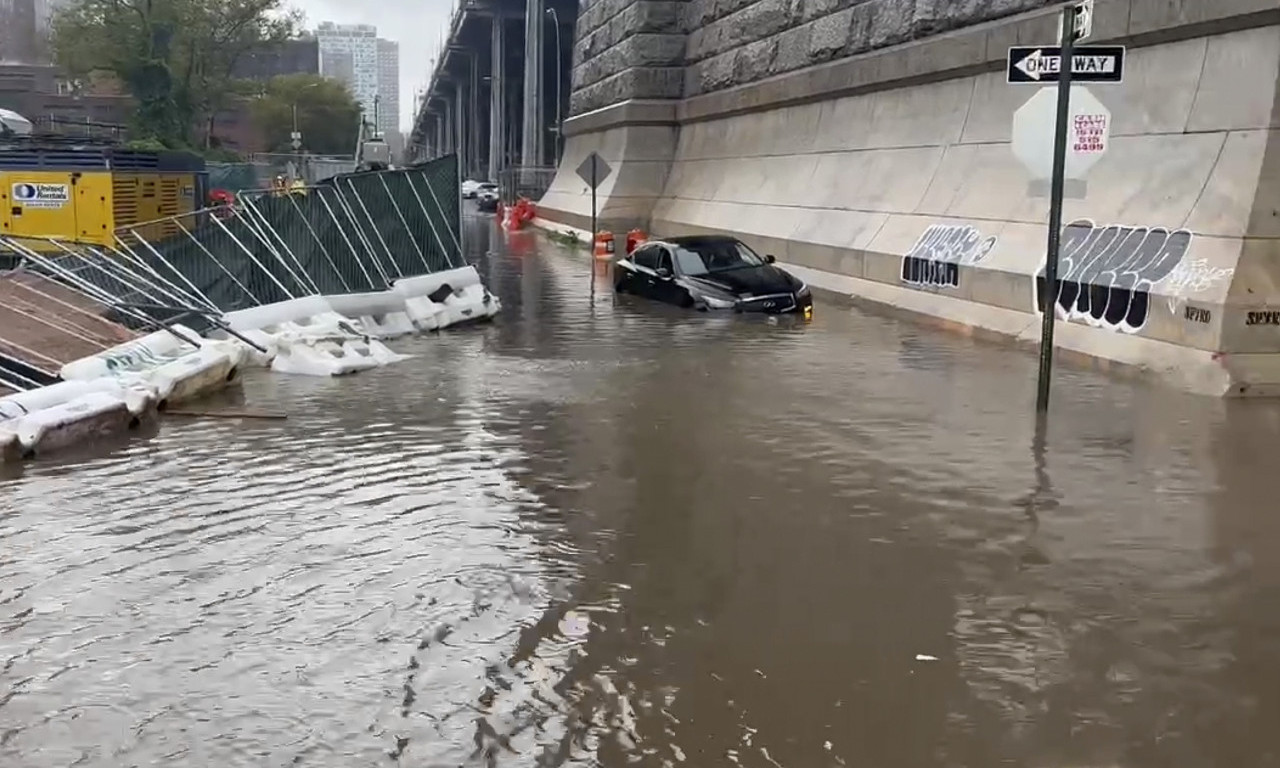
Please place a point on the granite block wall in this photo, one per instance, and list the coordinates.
(670, 49)
(627, 49)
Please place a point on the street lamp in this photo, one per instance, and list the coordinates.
(296, 137)
(559, 105)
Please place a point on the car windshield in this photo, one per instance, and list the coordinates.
(488, 187)
(709, 256)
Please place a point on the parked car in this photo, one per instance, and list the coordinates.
(469, 189)
(711, 273)
(487, 197)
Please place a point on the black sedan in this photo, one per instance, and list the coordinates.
(711, 273)
(487, 197)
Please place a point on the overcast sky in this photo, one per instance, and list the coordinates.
(415, 24)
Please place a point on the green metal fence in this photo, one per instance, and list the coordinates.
(352, 233)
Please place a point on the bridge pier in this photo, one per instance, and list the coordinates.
(497, 107)
(531, 137)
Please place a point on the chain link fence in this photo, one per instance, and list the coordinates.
(351, 233)
(525, 181)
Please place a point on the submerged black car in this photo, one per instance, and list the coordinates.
(711, 272)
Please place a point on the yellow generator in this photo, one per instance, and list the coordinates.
(85, 193)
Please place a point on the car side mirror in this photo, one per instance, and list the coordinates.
(664, 273)
(770, 258)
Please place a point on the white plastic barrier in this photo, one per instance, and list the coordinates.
(382, 315)
(306, 336)
(446, 298)
(173, 368)
(69, 412)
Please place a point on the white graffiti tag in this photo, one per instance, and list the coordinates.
(936, 257)
(1192, 277)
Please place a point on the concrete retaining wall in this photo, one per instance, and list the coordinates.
(890, 176)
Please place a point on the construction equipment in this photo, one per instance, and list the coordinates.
(80, 189)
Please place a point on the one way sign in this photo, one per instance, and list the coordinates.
(1089, 64)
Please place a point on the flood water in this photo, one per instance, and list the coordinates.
(598, 532)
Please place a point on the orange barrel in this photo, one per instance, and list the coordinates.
(604, 244)
(635, 239)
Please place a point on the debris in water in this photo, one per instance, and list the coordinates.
(575, 624)
(925, 657)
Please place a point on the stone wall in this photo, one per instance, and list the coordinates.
(627, 49)
(888, 176)
(647, 49)
(735, 42)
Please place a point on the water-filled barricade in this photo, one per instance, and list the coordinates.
(168, 362)
(62, 414)
(442, 299)
(306, 336)
(382, 314)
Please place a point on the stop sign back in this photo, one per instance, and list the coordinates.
(1088, 132)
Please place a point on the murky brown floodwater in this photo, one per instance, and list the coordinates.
(603, 533)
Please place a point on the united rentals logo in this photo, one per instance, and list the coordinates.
(31, 195)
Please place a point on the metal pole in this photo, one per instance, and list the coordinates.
(1056, 189)
(459, 124)
(497, 111)
(473, 145)
(555, 17)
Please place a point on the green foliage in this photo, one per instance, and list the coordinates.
(328, 115)
(175, 57)
(145, 145)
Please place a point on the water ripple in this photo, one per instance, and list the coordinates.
(600, 532)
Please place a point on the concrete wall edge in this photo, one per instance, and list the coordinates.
(660, 112)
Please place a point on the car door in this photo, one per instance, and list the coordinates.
(665, 287)
(644, 266)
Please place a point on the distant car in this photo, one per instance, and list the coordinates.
(711, 273)
(487, 197)
(469, 189)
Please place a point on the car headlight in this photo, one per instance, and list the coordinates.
(716, 302)
(803, 290)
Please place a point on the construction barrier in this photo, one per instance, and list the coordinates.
(635, 239)
(604, 245)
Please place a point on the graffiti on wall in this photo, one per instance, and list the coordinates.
(1193, 277)
(1106, 273)
(935, 259)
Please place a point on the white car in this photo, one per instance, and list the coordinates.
(470, 188)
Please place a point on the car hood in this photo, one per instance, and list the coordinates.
(756, 281)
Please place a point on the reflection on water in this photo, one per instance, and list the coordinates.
(599, 532)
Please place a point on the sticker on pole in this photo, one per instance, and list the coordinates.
(41, 195)
(594, 170)
(1088, 132)
(1083, 26)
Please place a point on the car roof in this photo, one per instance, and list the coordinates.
(696, 240)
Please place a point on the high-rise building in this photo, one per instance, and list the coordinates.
(369, 65)
(388, 86)
(357, 43)
(19, 43)
(290, 57)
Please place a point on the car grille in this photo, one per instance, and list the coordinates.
(774, 302)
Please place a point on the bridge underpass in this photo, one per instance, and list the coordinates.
(481, 102)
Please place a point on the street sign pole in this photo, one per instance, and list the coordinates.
(1056, 188)
(594, 170)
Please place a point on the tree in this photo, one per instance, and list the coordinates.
(175, 57)
(328, 115)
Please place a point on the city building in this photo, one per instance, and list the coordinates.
(369, 65)
(388, 87)
(19, 43)
(292, 57)
(358, 44)
(339, 65)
